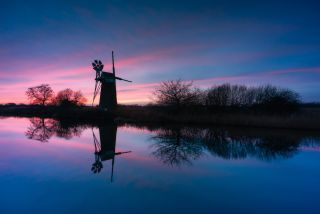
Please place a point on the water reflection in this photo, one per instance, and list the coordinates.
(180, 146)
(42, 129)
(59, 172)
(176, 146)
(105, 148)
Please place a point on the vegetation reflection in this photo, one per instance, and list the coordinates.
(180, 146)
(42, 129)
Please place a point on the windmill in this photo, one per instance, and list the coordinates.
(106, 85)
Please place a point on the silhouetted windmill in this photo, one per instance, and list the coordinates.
(106, 85)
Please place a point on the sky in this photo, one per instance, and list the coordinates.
(208, 42)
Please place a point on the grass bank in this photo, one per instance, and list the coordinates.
(307, 118)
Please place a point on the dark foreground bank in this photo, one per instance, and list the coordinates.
(307, 117)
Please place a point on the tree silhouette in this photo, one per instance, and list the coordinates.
(176, 93)
(68, 97)
(41, 94)
(270, 97)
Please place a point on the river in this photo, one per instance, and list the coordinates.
(49, 166)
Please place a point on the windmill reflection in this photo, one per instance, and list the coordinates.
(105, 149)
(42, 129)
(180, 146)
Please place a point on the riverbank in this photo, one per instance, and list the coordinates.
(307, 118)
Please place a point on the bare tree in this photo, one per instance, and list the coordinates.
(273, 97)
(41, 94)
(65, 94)
(219, 95)
(68, 96)
(176, 93)
(78, 98)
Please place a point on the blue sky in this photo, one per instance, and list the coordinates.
(209, 42)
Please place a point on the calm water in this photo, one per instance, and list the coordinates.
(53, 167)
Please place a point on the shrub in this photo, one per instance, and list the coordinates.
(267, 97)
(68, 98)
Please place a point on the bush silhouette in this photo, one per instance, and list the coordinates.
(69, 98)
(178, 95)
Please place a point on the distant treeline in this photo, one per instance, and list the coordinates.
(178, 94)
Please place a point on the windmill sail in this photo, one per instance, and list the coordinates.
(118, 78)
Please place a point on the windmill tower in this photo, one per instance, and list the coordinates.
(106, 85)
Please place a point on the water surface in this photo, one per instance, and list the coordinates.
(48, 166)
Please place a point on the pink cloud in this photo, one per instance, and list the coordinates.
(294, 70)
(311, 148)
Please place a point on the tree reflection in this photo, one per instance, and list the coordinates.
(230, 145)
(176, 147)
(42, 129)
(180, 146)
(67, 132)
